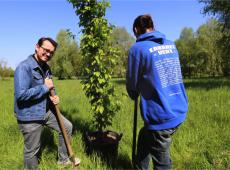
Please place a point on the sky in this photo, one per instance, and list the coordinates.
(23, 22)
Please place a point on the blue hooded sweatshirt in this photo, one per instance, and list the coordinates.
(154, 71)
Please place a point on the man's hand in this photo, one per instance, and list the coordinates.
(55, 99)
(49, 83)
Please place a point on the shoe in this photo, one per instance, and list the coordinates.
(77, 161)
(68, 162)
(64, 164)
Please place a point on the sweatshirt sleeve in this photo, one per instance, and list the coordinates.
(132, 75)
(23, 90)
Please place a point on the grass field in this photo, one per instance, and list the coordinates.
(202, 142)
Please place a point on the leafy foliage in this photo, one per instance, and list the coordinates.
(98, 58)
(200, 51)
(5, 71)
(184, 44)
(122, 40)
(208, 36)
(221, 10)
(66, 62)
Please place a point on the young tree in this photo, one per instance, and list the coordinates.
(98, 58)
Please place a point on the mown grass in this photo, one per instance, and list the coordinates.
(202, 142)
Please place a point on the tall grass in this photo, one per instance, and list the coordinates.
(202, 142)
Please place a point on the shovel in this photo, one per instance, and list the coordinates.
(63, 130)
(134, 132)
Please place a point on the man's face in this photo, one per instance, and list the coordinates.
(45, 51)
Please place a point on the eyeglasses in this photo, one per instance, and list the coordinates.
(48, 51)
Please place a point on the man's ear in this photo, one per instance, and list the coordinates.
(136, 31)
(36, 48)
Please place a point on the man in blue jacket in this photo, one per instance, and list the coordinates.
(33, 105)
(154, 72)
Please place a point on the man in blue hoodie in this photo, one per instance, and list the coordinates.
(154, 72)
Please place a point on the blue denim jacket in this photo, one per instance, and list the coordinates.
(30, 93)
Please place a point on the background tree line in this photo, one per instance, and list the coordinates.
(68, 62)
(204, 52)
(5, 71)
(200, 51)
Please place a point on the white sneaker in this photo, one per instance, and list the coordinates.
(77, 161)
(64, 163)
(68, 162)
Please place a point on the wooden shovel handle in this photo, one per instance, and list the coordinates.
(63, 130)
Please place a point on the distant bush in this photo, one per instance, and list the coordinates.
(5, 71)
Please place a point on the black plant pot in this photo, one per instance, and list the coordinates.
(104, 143)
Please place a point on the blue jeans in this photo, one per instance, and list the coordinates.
(155, 145)
(32, 133)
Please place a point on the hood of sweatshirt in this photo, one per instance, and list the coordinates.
(154, 36)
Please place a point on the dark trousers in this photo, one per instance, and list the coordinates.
(155, 145)
(32, 132)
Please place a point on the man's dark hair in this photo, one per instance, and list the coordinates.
(41, 40)
(143, 22)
